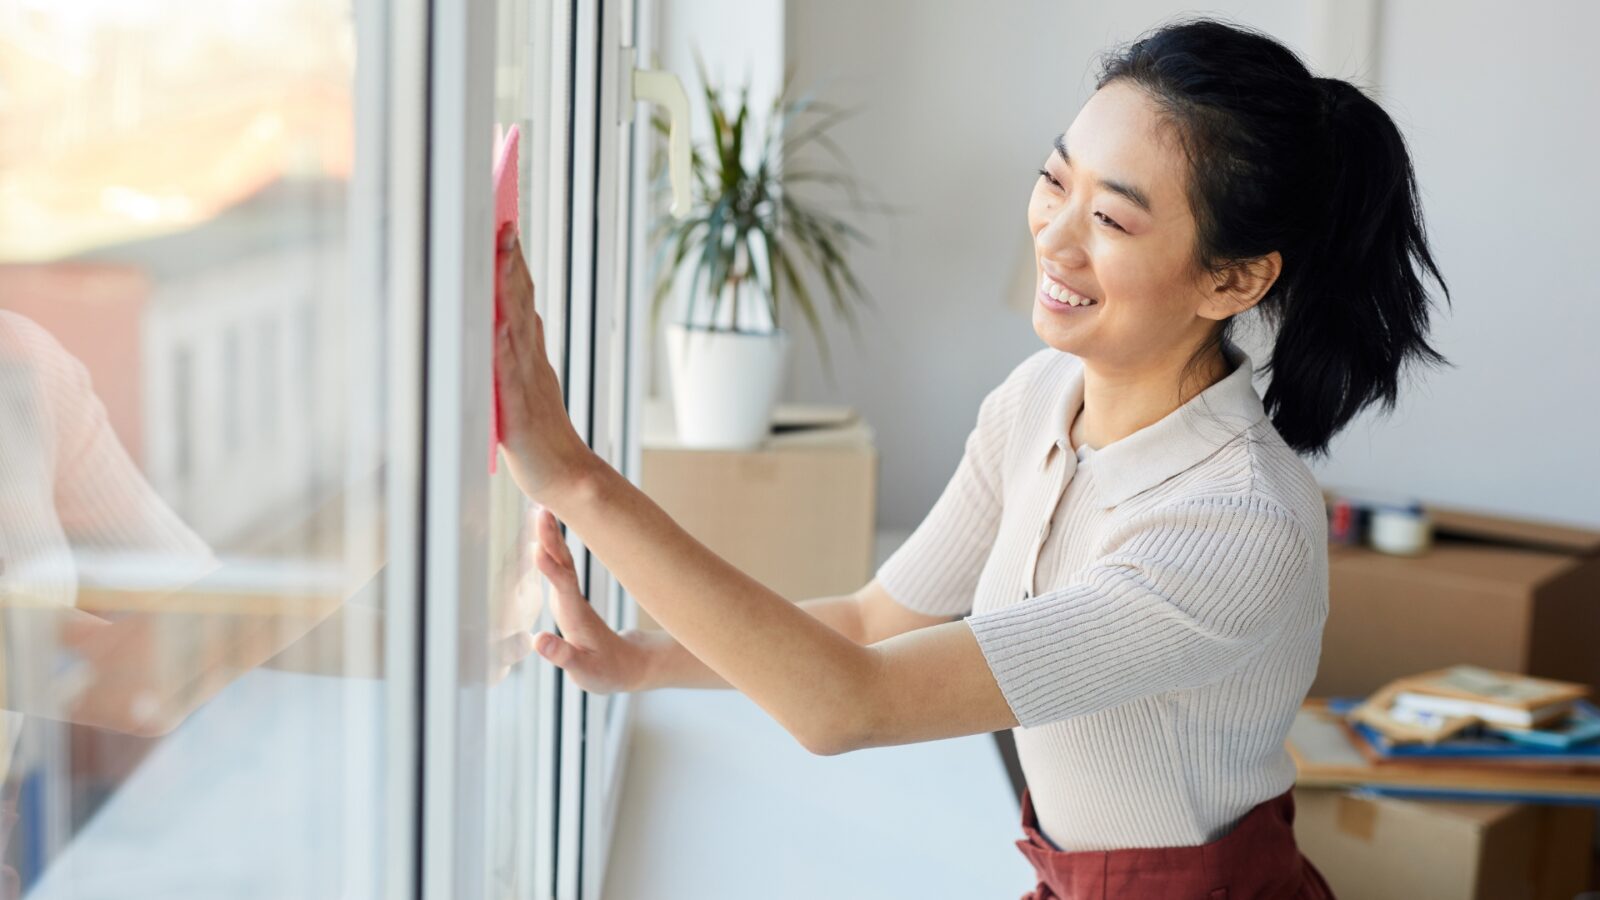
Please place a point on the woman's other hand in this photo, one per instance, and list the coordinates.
(544, 454)
(598, 659)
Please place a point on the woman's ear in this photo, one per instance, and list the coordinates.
(1242, 286)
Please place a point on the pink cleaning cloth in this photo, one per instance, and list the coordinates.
(505, 210)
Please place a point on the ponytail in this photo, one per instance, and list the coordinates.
(1313, 168)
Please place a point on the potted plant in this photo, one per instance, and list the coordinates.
(748, 236)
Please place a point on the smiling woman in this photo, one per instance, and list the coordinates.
(1133, 542)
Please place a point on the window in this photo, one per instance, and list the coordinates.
(253, 570)
(197, 599)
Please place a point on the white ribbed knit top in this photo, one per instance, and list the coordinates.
(1152, 609)
(67, 488)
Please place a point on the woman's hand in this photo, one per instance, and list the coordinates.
(544, 454)
(598, 659)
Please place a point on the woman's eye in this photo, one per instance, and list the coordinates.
(1108, 221)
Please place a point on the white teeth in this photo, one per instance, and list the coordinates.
(1062, 295)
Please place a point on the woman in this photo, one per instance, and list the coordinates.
(1135, 544)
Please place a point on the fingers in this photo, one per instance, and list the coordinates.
(580, 623)
(557, 650)
(549, 531)
(509, 386)
(562, 575)
(547, 536)
(577, 619)
(516, 286)
(508, 360)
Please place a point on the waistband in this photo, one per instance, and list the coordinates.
(1260, 849)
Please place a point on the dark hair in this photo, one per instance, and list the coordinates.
(1311, 167)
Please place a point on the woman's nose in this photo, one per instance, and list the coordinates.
(1061, 238)
(1060, 242)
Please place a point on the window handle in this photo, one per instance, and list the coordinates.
(663, 89)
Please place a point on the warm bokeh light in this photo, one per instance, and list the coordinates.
(125, 120)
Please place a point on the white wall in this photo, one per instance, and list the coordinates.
(741, 42)
(962, 105)
(1497, 102)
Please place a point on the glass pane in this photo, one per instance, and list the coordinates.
(192, 323)
(518, 780)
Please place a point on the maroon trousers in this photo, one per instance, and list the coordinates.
(1257, 860)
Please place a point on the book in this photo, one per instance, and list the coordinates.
(1326, 756)
(1400, 725)
(1409, 703)
(1505, 698)
(1476, 748)
(1580, 728)
(1484, 739)
(1477, 796)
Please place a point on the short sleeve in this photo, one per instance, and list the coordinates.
(102, 500)
(1186, 595)
(936, 570)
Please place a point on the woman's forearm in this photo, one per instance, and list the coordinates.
(813, 680)
(672, 666)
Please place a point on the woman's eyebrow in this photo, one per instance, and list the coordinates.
(1128, 191)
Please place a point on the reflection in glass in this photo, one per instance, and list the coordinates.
(191, 490)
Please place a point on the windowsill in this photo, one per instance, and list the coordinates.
(718, 801)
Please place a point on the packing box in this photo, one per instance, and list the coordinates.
(1503, 593)
(1387, 848)
(795, 513)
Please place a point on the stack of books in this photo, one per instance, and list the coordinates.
(1437, 705)
(1463, 732)
(1572, 748)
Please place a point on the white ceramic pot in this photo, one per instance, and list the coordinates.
(725, 384)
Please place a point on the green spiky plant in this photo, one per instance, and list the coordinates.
(744, 216)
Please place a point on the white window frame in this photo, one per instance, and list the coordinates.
(405, 23)
(459, 285)
(578, 235)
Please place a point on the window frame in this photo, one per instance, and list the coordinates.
(579, 235)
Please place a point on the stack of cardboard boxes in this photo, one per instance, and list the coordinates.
(795, 512)
(1503, 593)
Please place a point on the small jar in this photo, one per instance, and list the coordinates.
(1401, 530)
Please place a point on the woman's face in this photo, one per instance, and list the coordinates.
(1114, 224)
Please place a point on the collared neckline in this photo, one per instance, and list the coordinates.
(1155, 453)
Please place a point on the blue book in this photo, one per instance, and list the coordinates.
(1582, 727)
(1564, 744)
(1488, 796)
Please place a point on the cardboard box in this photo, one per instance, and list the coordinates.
(1386, 848)
(796, 513)
(1508, 594)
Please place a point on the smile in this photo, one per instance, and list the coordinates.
(1057, 296)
